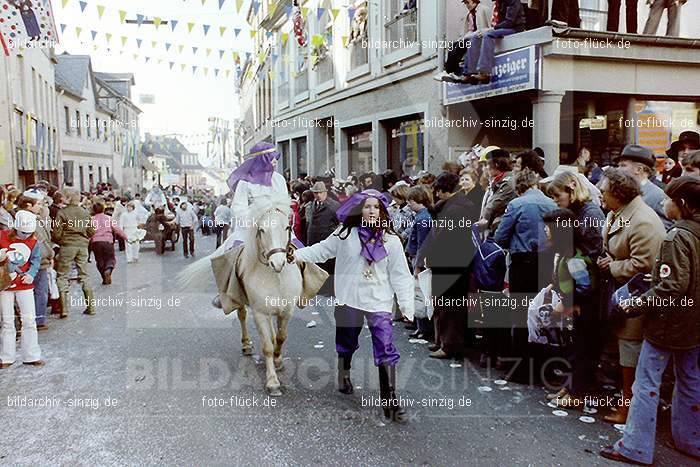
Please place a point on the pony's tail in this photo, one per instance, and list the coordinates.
(198, 275)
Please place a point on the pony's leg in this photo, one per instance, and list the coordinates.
(246, 343)
(282, 321)
(262, 323)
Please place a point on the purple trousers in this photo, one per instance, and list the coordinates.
(348, 325)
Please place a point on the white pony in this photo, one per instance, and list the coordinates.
(259, 275)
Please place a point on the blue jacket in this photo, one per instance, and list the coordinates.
(419, 231)
(521, 229)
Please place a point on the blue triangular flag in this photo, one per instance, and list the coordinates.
(221, 53)
(320, 13)
(139, 19)
(237, 31)
(171, 65)
(221, 3)
(138, 43)
(194, 69)
(93, 34)
(82, 6)
(268, 34)
(206, 29)
(216, 72)
(289, 10)
(147, 59)
(351, 13)
(167, 46)
(194, 50)
(63, 28)
(256, 6)
(173, 23)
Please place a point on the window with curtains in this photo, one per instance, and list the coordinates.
(400, 24)
(359, 35)
(360, 149)
(323, 49)
(66, 114)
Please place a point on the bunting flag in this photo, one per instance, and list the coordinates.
(221, 54)
(93, 34)
(138, 43)
(334, 12)
(253, 32)
(139, 19)
(100, 11)
(194, 50)
(285, 38)
(351, 13)
(222, 30)
(63, 28)
(256, 6)
(157, 21)
(194, 69)
(319, 13)
(124, 39)
(167, 46)
(82, 6)
(237, 31)
(108, 36)
(65, 2)
(208, 52)
(179, 48)
(122, 16)
(206, 29)
(173, 23)
(221, 3)
(189, 27)
(171, 65)
(154, 44)
(239, 4)
(78, 30)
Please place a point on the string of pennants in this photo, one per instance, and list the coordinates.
(158, 21)
(156, 46)
(216, 72)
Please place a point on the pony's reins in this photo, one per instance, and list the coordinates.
(288, 250)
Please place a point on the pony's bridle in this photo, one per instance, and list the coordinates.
(288, 250)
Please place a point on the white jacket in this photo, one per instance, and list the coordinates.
(355, 288)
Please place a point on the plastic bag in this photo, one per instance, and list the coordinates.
(425, 280)
(544, 324)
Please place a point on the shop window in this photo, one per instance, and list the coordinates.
(401, 24)
(301, 155)
(283, 148)
(405, 151)
(360, 150)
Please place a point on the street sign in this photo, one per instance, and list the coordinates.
(513, 71)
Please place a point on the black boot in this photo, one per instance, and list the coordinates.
(344, 383)
(387, 386)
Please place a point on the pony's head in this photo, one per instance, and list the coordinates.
(271, 233)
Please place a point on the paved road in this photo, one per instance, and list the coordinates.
(153, 381)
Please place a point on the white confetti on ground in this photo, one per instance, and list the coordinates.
(560, 413)
(619, 427)
(590, 410)
(485, 389)
(500, 382)
(552, 405)
(318, 346)
(311, 324)
(314, 312)
(587, 419)
(455, 365)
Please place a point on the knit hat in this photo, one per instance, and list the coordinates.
(25, 222)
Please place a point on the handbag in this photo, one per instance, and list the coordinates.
(425, 281)
(544, 324)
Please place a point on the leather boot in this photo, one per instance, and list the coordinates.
(89, 299)
(620, 417)
(344, 383)
(387, 386)
(64, 305)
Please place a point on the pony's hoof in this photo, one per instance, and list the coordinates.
(274, 391)
(279, 365)
(247, 351)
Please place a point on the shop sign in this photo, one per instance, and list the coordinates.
(513, 71)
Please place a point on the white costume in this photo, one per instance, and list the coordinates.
(129, 223)
(248, 193)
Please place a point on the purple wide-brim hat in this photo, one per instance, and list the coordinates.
(257, 168)
(359, 198)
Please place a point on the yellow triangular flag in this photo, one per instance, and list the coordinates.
(122, 16)
(157, 21)
(228, 72)
(334, 12)
(189, 27)
(271, 74)
(222, 30)
(160, 60)
(108, 36)
(239, 4)
(154, 44)
(100, 11)
(208, 52)
(345, 40)
(206, 71)
(65, 2)
(136, 56)
(124, 39)
(182, 67)
(78, 30)
(179, 48)
(203, 2)
(304, 13)
(285, 38)
(253, 32)
(235, 56)
(272, 7)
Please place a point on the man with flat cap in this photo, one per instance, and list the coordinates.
(640, 163)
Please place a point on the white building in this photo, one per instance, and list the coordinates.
(30, 141)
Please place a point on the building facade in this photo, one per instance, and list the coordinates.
(359, 96)
(30, 137)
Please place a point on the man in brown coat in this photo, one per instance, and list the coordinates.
(632, 237)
